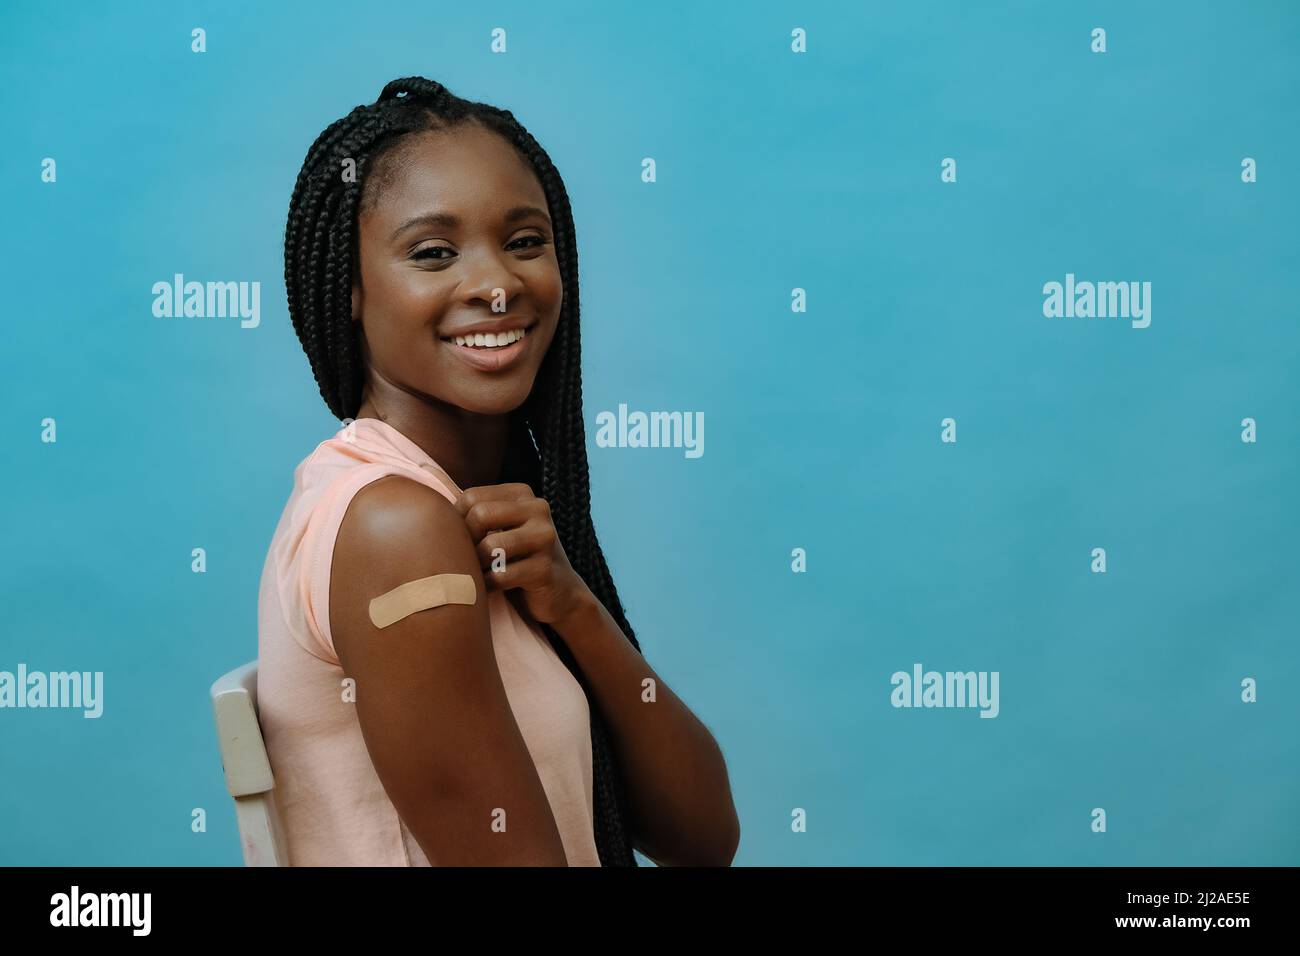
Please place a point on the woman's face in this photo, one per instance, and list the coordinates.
(458, 240)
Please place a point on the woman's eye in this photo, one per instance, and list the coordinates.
(435, 252)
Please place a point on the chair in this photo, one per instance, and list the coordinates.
(248, 770)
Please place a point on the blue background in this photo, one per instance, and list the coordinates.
(775, 171)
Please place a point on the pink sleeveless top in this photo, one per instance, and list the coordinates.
(332, 803)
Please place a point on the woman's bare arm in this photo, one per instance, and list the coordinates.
(679, 795)
(432, 707)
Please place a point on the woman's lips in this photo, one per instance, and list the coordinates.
(492, 359)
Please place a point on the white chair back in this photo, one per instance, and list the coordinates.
(248, 770)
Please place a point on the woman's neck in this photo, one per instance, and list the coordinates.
(468, 446)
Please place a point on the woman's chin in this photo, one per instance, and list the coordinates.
(493, 398)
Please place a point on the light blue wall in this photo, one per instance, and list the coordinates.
(775, 171)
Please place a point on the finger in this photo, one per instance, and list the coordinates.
(516, 544)
(518, 574)
(487, 516)
(510, 491)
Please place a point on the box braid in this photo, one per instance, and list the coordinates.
(548, 441)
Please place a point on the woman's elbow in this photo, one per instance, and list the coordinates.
(717, 848)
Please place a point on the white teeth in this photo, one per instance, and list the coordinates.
(491, 340)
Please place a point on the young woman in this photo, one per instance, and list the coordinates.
(432, 278)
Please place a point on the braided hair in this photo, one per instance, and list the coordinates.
(547, 445)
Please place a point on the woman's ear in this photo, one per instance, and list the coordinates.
(356, 303)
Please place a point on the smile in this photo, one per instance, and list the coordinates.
(490, 351)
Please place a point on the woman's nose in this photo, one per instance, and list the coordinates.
(492, 280)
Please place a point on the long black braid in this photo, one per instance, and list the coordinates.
(548, 442)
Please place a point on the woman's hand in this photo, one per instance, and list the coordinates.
(512, 518)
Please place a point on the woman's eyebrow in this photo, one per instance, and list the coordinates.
(449, 221)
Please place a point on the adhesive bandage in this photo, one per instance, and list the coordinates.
(433, 591)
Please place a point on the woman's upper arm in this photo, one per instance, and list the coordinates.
(432, 708)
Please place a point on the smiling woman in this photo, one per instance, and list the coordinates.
(456, 239)
(435, 293)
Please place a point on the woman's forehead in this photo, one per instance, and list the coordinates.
(464, 171)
